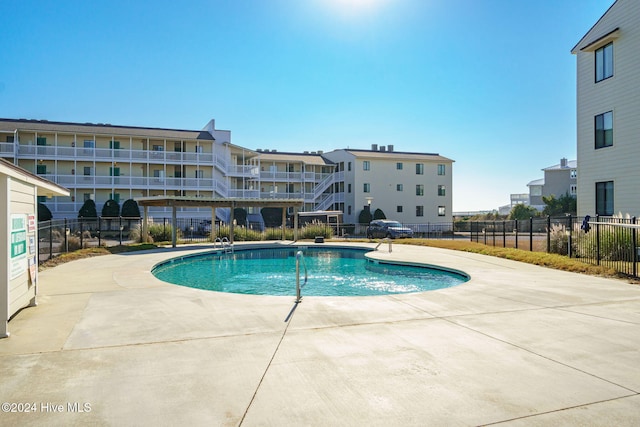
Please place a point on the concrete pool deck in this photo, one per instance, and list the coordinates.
(109, 344)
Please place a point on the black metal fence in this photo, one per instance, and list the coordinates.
(67, 235)
(607, 241)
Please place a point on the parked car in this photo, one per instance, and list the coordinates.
(387, 228)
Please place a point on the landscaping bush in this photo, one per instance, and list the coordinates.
(162, 232)
(276, 234)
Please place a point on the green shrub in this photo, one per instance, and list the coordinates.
(162, 232)
(275, 233)
(616, 244)
(313, 230)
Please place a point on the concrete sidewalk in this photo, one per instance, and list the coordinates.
(109, 344)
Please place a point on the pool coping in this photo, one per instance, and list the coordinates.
(516, 344)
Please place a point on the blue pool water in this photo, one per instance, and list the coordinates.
(331, 272)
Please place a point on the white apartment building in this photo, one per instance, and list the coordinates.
(608, 111)
(104, 161)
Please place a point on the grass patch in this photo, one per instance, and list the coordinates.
(92, 252)
(558, 262)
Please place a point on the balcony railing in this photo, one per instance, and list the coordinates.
(108, 154)
(208, 184)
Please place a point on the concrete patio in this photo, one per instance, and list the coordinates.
(109, 344)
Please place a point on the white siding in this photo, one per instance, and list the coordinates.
(620, 94)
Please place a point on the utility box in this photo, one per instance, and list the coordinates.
(19, 191)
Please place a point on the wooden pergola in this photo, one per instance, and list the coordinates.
(202, 202)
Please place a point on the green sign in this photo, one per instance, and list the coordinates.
(18, 243)
(18, 246)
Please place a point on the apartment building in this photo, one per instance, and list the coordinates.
(559, 179)
(608, 107)
(104, 161)
(408, 187)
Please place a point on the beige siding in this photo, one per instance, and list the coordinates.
(22, 201)
(620, 94)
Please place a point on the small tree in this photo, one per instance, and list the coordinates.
(111, 209)
(365, 217)
(130, 209)
(379, 214)
(566, 204)
(521, 211)
(88, 210)
(44, 214)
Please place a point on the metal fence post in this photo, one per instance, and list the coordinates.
(50, 240)
(548, 233)
(570, 237)
(516, 233)
(504, 234)
(634, 239)
(531, 234)
(81, 233)
(66, 237)
(597, 239)
(99, 237)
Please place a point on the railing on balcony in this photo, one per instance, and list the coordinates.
(7, 149)
(243, 170)
(108, 154)
(137, 182)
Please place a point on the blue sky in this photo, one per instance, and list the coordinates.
(487, 83)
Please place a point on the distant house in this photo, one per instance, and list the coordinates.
(558, 180)
(608, 111)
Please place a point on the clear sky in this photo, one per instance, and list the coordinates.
(487, 83)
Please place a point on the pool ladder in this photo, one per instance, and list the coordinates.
(300, 259)
(386, 239)
(224, 244)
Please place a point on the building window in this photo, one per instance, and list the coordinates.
(42, 199)
(367, 187)
(349, 166)
(419, 190)
(604, 62)
(573, 174)
(88, 170)
(349, 210)
(89, 143)
(604, 198)
(573, 189)
(604, 130)
(199, 173)
(419, 168)
(366, 165)
(419, 210)
(441, 211)
(441, 191)
(398, 187)
(348, 188)
(41, 140)
(399, 166)
(399, 209)
(115, 197)
(41, 169)
(87, 196)
(441, 169)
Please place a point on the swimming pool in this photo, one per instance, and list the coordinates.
(332, 271)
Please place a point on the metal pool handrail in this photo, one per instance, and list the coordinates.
(386, 239)
(299, 257)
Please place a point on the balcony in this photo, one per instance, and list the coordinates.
(135, 182)
(6, 149)
(108, 155)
